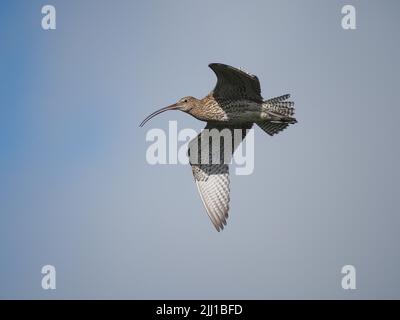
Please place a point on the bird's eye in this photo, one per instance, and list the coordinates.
(185, 100)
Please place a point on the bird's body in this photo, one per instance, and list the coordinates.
(229, 111)
(236, 112)
(235, 103)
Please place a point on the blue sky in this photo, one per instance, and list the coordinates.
(76, 191)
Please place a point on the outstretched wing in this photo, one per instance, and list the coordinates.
(213, 185)
(211, 172)
(235, 84)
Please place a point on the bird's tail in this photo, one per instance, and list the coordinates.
(280, 113)
(280, 106)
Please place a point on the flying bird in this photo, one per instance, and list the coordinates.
(234, 104)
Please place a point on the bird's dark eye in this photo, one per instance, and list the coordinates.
(185, 100)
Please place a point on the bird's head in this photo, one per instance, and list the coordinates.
(185, 104)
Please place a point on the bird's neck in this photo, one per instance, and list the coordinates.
(207, 109)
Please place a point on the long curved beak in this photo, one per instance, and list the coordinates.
(171, 107)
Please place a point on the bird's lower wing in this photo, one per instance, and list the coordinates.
(212, 179)
(212, 182)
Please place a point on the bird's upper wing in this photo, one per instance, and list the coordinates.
(235, 84)
(212, 179)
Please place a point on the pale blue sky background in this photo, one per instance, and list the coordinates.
(76, 191)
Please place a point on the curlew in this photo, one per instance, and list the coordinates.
(234, 104)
